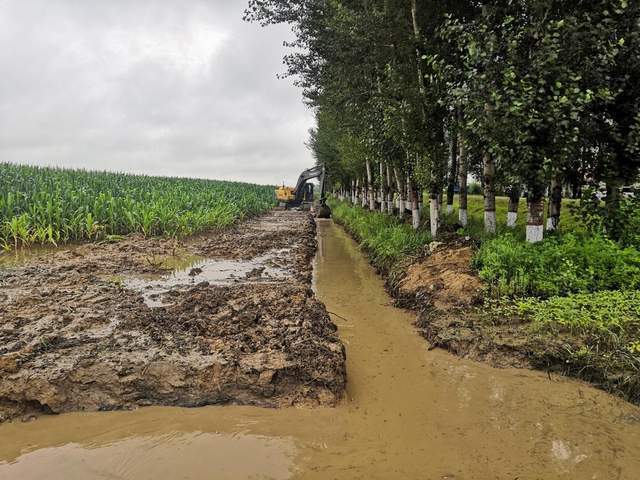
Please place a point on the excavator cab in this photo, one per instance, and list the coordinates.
(284, 195)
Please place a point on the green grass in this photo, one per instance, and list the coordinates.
(384, 237)
(606, 314)
(559, 265)
(50, 205)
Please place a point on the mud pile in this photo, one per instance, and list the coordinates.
(443, 279)
(80, 331)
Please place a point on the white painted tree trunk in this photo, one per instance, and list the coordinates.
(555, 203)
(489, 172)
(389, 192)
(415, 209)
(462, 217)
(372, 200)
(490, 221)
(415, 218)
(514, 203)
(535, 214)
(356, 186)
(400, 193)
(449, 209)
(535, 233)
(434, 216)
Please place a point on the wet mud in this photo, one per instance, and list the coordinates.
(227, 317)
(408, 413)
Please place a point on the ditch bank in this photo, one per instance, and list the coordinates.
(439, 284)
(224, 317)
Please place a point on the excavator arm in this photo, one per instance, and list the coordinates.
(305, 176)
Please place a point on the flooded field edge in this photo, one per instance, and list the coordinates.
(107, 327)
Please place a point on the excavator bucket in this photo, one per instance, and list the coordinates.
(324, 211)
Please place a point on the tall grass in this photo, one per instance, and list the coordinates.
(51, 205)
(385, 238)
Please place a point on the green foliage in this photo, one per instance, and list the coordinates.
(621, 224)
(385, 238)
(475, 188)
(607, 313)
(558, 266)
(48, 205)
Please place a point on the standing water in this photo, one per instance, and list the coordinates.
(408, 413)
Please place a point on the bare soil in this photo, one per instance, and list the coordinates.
(443, 278)
(78, 330)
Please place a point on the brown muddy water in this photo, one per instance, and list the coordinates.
(408, 413)
(191, 269)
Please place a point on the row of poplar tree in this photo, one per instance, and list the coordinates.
(533, 97)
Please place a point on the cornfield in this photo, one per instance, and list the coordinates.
(52, 206)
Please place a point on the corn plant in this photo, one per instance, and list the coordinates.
(52, 205)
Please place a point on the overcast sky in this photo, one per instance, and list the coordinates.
(164, 87)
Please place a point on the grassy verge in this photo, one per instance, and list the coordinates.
(385, 238)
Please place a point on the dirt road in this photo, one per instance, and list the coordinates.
(227, 317)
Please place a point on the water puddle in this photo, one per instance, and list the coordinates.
(15, 258)
(409, 413)
(189, 270)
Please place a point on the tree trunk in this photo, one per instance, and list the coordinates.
(555, 204)
(410, 197)
(514, 203)
(415, 207)
(389, 191)
(372, 201)
(489, 173)
(462, 182)
(535, 216)
(434, 213)
(612, 207)
(400, 188)
(356, 186)
(453, 170)
(383, 197)
(363, 193)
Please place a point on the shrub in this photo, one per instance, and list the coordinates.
(557, 266)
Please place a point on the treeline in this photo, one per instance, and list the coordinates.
(537, 98)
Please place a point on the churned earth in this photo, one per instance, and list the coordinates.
(224, 317)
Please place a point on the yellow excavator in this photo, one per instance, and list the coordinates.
(301, 196)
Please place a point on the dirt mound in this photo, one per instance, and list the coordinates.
(444, 278)
(74, 337)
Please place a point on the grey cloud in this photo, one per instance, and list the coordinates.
(152, 86)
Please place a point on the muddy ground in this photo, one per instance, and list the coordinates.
(225, 317)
